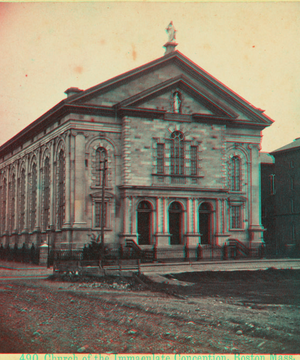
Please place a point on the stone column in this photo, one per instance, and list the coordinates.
(162, 235)
(68, 187)
(26, 205)
(192, 238)
(7, 198)
(159, 219)
(79, 201)
(52, 184)
(38, 190)
(255, 227)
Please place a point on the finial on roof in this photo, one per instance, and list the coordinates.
(171, 44)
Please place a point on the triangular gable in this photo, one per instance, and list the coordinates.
(154, 96)
(182, 66)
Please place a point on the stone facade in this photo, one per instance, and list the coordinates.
(183, 165)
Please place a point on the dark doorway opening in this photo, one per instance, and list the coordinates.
(144, 223)
(205, 223)
(175, 223)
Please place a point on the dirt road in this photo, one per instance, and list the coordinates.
(250, 312)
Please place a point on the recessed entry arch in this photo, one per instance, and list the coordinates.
(144, 222)
(175, 222)
(205, 212)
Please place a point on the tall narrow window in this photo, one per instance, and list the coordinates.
(292, 205)
(61, 189)
(160, 158)
(33, 197)
(3, 206)
(235, 173)
(293, 233)
(46, 194)
(292, 183)
(235, 217)
(272, 184)
(177, 153)
(98, 214)
(22, 200)
(1, 199)
(101, 155)
(193, 160)
(12, 189)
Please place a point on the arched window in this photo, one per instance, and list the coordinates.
(3, 206)
(61, 190)
(12, 189)
(177, 153)
(22, 200)
(46, 194)
(33, 197)
(101, 156)
(235, 173)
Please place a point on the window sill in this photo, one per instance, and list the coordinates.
(180, 176)
(99, 229)
(100, 187)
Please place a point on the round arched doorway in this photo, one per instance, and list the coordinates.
(175, 222)
(205, 222)
(144, 222)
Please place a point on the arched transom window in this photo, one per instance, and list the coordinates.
(22, 200)
(177, 153)
(33, 197)
(61, 190)
(46, 194)
(235, 173)
(12, 189)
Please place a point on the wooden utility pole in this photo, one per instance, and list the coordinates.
(103, 199)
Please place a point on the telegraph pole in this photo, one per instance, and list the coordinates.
(103, 198)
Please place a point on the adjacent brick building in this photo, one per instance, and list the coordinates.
(183, 165)
(281, 198)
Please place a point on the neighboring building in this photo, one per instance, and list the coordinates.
(182, 155)
(268, 209)
(285, 187)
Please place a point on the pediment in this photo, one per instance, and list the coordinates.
(161, 97)
(150, 87)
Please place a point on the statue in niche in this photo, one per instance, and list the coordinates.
(171, 32)
(176, 102)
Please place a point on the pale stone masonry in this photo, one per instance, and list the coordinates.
(182, 155)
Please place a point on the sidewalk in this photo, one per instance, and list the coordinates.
(224, 265)
(10, 270)
(14, 270)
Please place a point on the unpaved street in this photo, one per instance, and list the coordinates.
(246, 312)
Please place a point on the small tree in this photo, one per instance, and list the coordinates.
(96, 249)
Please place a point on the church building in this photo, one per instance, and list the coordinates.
(181, 153)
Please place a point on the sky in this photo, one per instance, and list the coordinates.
(253, 48)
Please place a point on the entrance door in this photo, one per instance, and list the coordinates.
(175, 223)
(205, 223)
(144, 223)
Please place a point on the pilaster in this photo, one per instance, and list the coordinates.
(255, 227)
(67, 174)
(80, 184)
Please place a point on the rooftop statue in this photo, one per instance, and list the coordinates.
(171, 32)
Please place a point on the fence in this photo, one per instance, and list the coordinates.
(23, 254)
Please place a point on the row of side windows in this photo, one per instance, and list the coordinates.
(9, 213)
